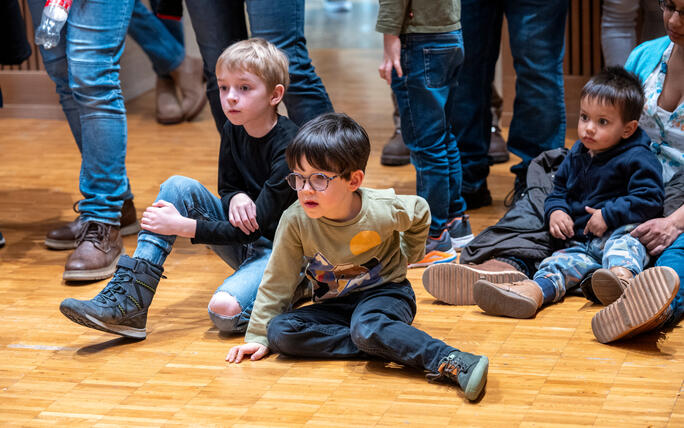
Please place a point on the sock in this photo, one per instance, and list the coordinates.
(548, 289)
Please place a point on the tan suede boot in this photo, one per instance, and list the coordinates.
(453, 283)
(189, 78)
(609, 284)
(168, 107)
(644, 306)
(520, 299)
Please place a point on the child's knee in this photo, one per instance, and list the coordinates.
(278, 337)
(364, 334)
(225, 305)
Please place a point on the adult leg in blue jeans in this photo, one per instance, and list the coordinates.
(673, 257)
(85, 69)
(536, 31)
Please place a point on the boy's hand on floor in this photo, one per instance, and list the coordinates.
(596, 224)
(236, 353)
(391, 57)
(163, 218)
(561, 225)
(242, 213)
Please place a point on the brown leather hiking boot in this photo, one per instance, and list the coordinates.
(395, 152)
(95, 257)
(64, 237)
(189, 78)
(519, 299)
(168, 108)
(644, 306)
(453, 283)
(609, 284)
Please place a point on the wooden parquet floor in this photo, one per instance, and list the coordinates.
(546, 371)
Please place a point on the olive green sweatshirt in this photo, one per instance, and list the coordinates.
(368, 251)
(418, 16)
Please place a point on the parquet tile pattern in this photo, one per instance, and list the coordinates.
(546, 371)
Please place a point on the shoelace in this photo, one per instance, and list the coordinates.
(114, 287)
(96, 233)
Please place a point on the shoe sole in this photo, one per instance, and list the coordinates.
(94, 274)
(453, 283)
(460, 242)
(91, 322)
(477, 380)
(497, 301)
(639, 308)
(170, 120)
(57, 244)
(606, 287)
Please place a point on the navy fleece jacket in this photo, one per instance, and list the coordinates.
(624, 182)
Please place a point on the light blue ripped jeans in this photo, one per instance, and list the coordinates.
(193, 200)
(566, 267)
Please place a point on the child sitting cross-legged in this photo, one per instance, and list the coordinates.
(356, 243)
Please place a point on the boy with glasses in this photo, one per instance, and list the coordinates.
(356, 244)
(239, 226)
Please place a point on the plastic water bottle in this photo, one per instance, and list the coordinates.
(54, 17)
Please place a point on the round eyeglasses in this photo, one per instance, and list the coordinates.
(317, 181)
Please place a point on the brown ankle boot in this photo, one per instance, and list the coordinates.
(189, 78)
(609, 284)
(519, 299)
(453, 283)
(168, 107)
(64, 237)
(644, 306)
(95, 257)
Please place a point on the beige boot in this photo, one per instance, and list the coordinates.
(168, 108)
(609, 284)
(520, 299)
(189, 78)
(453, 283)
(644, 306)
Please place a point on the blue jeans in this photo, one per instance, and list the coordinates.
(249, 261)
(219, 24)
(425, 97)
(536, 33)
(161, 39)
(375, 322)
(566, 268)
(85, 68)
(673, 257)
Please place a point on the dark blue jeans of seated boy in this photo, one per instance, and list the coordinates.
(249, 261)
(425, 97)
(374, 322)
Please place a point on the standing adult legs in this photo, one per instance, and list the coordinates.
(537, 37)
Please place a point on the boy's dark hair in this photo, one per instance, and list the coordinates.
(330, 142)
(618, 87)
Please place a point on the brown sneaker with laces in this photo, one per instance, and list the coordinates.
(521, 299)
(64, 237)
(95, 257)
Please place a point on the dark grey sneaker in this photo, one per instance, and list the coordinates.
(460, 232)
(121, 307)
(464, 369)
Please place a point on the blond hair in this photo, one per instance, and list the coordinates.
(259, 57)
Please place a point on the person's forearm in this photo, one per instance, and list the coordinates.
(187, 227)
